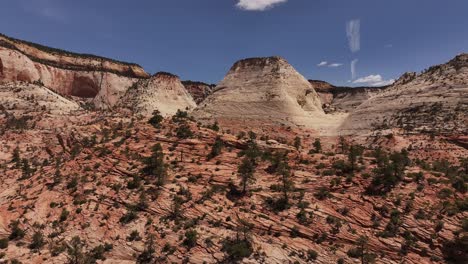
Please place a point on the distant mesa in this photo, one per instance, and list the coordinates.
(264, 90)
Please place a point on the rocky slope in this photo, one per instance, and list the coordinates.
(21, 99)
(265, 89)
(85, 178)
(435, 101)
(67, 73)
(198, 90)
(163, 92)
(343, 99)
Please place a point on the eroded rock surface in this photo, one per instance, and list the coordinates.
(163, 92)
(267, 89)
(435, 101)
(343, 99)
(199, 90)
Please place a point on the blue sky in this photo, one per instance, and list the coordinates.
(201, 39)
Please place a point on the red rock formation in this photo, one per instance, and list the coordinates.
(198, 90)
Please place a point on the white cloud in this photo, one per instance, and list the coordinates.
(388, 46)
(373, 80)
(331, 65)
(353, 68)
(258, 5)
(323, 63)
(353, 32)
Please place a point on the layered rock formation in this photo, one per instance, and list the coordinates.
(434, 101)
(84, 178)
(67, 73)
(265, 89)
(163, 91)
(198, 90)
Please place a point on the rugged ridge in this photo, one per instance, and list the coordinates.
(341, 98)
(163, 91)
(434, 101)
(67, 73)
(198, 90)
(265, 89)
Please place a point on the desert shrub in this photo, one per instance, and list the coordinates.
(389, 172)
(191, 237)
(456, 251)
(37, 240)
(311, 255)
(64, 215)
(317, 146)
(444, 193)
(16, 232)
(183, 131)
(180, 116)
(237, 250)
(297, 143)
(128, 217)
(322, 193)
(216, 148)
(134, 236)
(155, 166)
(147, 256)
(4, 243)
(393, 225)
(156, 119)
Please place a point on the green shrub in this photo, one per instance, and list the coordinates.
(4, 243)
(156, 119)
(191, 237)
(237, 250)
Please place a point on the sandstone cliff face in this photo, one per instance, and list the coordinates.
(163, 92)
(434, 101)
(198, 90)
(267, 89)
(323, 90)
(67, 73)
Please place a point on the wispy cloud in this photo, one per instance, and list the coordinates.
(323, 63)
(331, 65)
(353, 32)
(353, 68)
(51, 9)
(388, 46)
(373, 80)
(258, 5)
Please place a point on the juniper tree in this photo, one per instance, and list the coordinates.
(246, 172)
(317, 145)
(154, 165)
(156, 119)
(216, 148)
